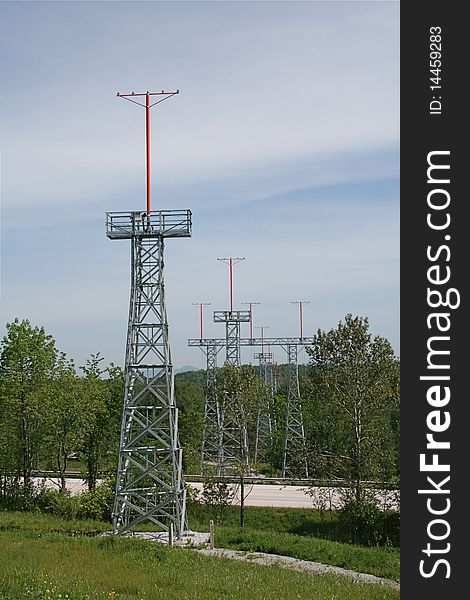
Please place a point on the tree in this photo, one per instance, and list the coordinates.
(27, 365)
(354, 398)
(190, 403)
(103, 405)
(65, 416)
(218, 495)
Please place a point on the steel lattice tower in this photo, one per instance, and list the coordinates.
(233, 437)
(232, 320)
(294, 462)
(233, 440)
(149, 483)
(211, 453)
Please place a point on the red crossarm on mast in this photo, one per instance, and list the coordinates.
(231, 261)
(148, 105)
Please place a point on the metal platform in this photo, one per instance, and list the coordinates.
(232, 316)
(304, 341)
(263, 356)
(158, 223)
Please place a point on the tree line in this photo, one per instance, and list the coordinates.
(52, 413)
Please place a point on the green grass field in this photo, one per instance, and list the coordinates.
(292, 532)
(45, 557)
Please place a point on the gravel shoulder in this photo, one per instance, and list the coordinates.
(295, 564)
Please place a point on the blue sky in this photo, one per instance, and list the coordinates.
(283, 142)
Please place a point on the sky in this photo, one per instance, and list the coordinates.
(283, 142)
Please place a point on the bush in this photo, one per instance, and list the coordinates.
(58, 504)
(390, 528)
(219, 496)
(96, 504)
(14, 496)
(361, 521)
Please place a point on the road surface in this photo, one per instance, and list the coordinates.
(282, 496)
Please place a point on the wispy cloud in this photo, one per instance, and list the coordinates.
(262, 84)
(283, 141)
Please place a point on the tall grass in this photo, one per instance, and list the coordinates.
(299, 521)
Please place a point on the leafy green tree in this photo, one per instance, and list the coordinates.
(103, 406)
(28, 362)
(65, 416)
(114, 381)
(190, 403)
(354, 399)
(218, 495)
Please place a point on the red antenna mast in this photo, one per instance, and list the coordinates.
(262, 327)
(147, 106)
(231, 262)
(301, 303)
(251, 304)
(200, 304)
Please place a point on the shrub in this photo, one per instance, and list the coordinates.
(361, 521)
(58, 504)
(219, 496)
(14, 496)
(96, 504)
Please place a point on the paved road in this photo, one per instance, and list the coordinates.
(259, 495)
(271, 495)
(284, 496)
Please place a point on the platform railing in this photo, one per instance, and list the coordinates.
(166, 223)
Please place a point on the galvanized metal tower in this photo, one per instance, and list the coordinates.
(264, 424)
(251, 304)
(294, 463)
(212, 458)
(233, 437)
(149, 483)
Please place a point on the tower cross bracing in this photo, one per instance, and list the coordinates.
(232, 320)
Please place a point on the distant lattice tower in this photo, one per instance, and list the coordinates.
(294, 462)
(233, 437)
(211, 452)
(149, 484)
